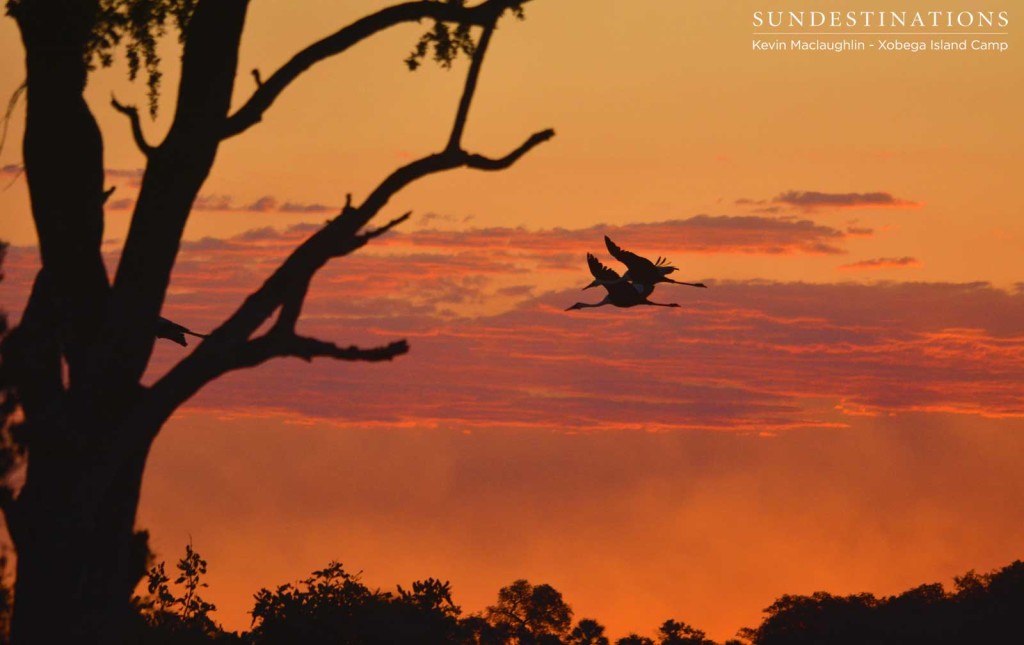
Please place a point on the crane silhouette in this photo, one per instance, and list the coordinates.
(620, 292)
(174, 332)
(640, 269)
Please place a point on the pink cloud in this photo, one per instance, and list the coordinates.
(746, 356)
(751, 234)
(264, 204)
(812, 199)
(749, 356)
(881, 263)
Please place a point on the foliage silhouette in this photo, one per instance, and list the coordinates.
(587, 632)
(165, 618)
(85, 339)
(982, 608)
(531, 614)
(672, 632)
(334, 606)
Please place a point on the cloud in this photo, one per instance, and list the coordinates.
(213, 203)
(131, 176)
(123, 204)
(746, 357)
(428, 218)
(859, 231)
(810, 200)
(752, 234)
(261, 205)
(492, 346)
(882, 263)
(264, 204)
(298, 207)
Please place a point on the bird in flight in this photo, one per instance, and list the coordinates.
(620, 292)
(174, 332)
(643, 271)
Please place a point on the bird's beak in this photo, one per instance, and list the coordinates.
(592, 284)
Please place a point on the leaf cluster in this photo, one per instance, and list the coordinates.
(179, 614)
(444, 42)
(138, 25)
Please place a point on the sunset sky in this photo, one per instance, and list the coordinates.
(843, 408)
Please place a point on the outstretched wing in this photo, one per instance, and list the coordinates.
(640, 268)
(600, 271)
(631, 260)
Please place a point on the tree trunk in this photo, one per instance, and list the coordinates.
(79, 559)
(78, 356)
(73, 523)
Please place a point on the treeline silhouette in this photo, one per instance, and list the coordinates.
(332, 606)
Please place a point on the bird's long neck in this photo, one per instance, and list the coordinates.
(688, 284)
(660, 304)
(587, 305)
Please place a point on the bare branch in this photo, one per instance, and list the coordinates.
(280, 345)
(377, 232)
(230, 346)
(132, 113)
(481, 162)
(455, 141)
(295, 296)
(291, 306)
(446, 160)
(267, 92)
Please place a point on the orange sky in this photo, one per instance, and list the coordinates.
(841, 410)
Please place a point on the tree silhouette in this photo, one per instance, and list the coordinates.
(983, 608)
(531, 614)
(9, 457)
(673, 632)
(587, 632)
(333, 606)
(77, 357)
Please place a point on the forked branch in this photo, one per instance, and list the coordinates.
(268, 91)
(231, 346)
(132, 113)
(455, 140)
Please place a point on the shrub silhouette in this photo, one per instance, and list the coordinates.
(334, 606)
